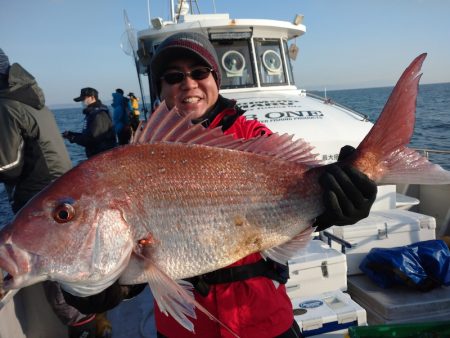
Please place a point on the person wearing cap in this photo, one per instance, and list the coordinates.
(33, 154)
(98, 132)
(249, 296)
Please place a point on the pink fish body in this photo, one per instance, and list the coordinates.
(200, 207)
(182, 201)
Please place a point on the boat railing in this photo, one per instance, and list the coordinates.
(426, 152)
(329, 101)
(438, 156)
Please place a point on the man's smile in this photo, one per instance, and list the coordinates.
(191, 99)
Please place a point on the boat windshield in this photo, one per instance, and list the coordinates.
(236, 63)
(238, 68)
(269, 57)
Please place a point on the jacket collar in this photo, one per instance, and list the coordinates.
(222, 104)
(95, 106)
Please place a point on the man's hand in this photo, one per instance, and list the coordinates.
(348, 194)
(68, 135)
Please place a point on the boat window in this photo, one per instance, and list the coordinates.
(270, 62)
(289, 65)
(235, 63)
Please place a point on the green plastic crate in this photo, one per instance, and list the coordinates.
(439, 329)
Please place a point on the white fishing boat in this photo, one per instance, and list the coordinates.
(255, 59)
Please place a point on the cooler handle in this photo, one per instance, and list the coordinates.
(344, 244)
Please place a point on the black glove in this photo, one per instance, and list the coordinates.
(69, 136)
(105, 300)
(348, 194)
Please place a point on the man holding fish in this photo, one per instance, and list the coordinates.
(248, 296)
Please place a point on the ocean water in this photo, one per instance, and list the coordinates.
(431, 130)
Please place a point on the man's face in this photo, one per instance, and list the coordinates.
(88, 100)
(189, 95)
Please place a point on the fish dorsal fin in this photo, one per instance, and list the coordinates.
(286, 251)
(166, 125)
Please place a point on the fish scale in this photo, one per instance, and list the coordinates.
(200, 203)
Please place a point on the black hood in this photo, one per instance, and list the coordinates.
(23, 87)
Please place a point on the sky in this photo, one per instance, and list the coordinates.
(70, 44)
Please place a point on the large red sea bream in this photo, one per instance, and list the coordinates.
(181, 201)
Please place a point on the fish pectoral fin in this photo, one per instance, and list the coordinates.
(172, 298)
(286, 251)
(176, 298)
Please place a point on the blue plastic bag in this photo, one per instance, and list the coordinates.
(393, 266)
(422, 265)
(434, 256)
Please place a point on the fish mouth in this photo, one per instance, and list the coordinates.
(8, 260)
(16, 266)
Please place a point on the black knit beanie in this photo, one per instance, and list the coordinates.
(181, 45)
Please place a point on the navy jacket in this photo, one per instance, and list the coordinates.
(98, 132)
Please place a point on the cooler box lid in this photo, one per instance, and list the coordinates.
(382, 223)
(316, 253)
(327, 312)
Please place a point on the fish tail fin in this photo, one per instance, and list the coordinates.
(383, 155)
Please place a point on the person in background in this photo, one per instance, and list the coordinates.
(135, 113)
(244, 295)
(121, 116)
(33, 154)
(98, 132)
(156, 104)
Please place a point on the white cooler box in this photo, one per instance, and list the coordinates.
(316, 269)
(382, 229)
(399, 304)
(330, 312)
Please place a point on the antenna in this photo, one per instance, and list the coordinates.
(148, 13)
(172, 11)
(129, 46)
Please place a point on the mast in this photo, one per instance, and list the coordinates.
(172, 11)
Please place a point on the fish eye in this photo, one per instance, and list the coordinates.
(63, 213)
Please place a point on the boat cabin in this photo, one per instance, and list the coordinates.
(256, 62)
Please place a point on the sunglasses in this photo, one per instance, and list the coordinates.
(196, 74)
